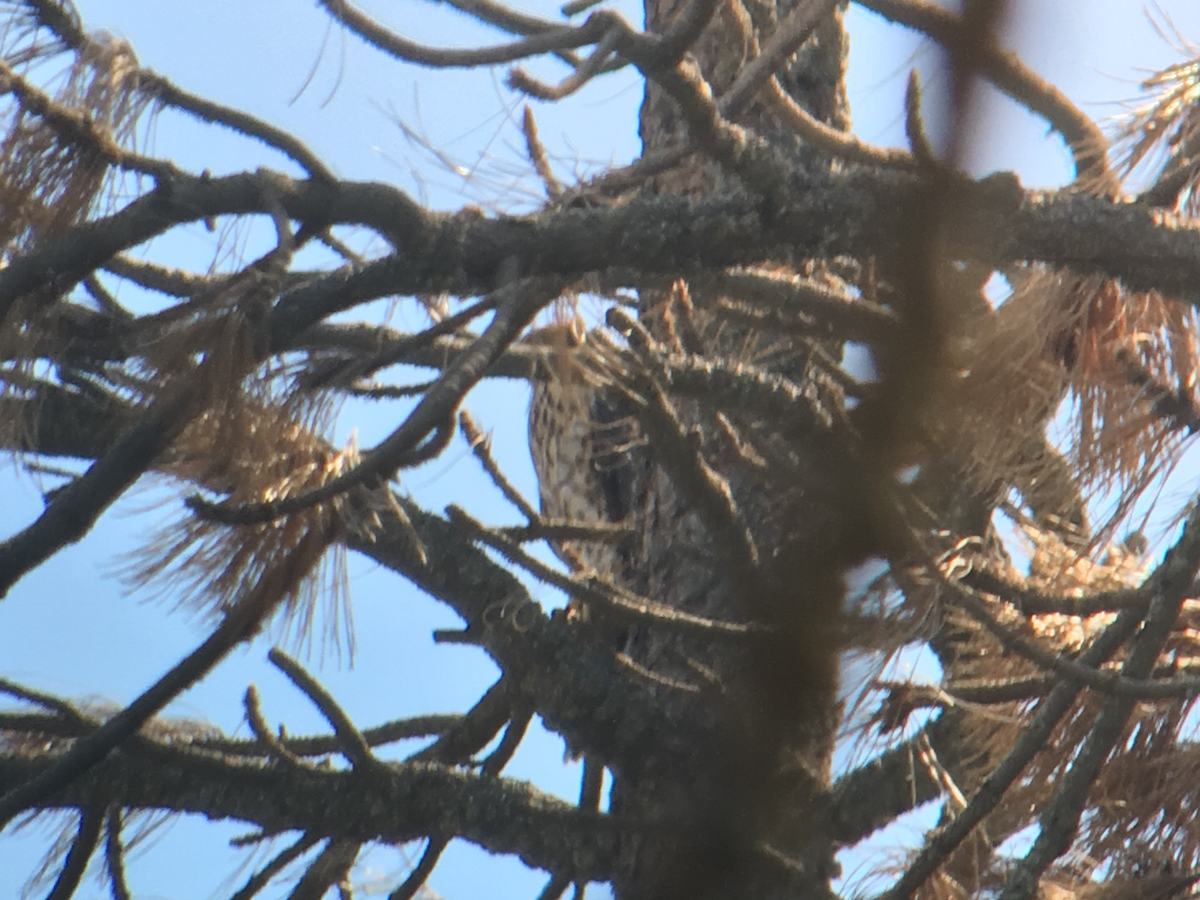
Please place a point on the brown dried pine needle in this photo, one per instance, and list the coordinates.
(257, 448)
(1062, 337)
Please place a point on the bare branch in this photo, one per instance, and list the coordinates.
(607, 598)
(1035, 603)
(421, 871)
(55, 16)
(474, 730)
(278, 863)
(914, 128)
(425, 432)
(793, 31)
(520, 80)
(396, 803)
(87, 838)
(564, 37)
(114, 856)
(1009, 74)
(353, 744)
(329, 868)
(77, 129)
(480, 445)
(537, 155)
(258, 725)
(514, 733)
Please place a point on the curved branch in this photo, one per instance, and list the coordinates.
(1010, 75)
(59, 18)
(422, 870)
(281, 861)
(427, 423)
(352, 743)
(87, 838)
(550, 40)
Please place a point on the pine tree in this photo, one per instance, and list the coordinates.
(714, 479)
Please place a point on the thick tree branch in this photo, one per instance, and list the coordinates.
(994, 223)
(393, 803)
(556, 663)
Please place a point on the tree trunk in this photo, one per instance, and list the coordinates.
(751, 797)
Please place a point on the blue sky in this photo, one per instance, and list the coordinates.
(69, 628)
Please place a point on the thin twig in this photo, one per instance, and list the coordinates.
(686, 26)
(841, 144)
(565, 37)
(513, 21)
(105, 300)
(258, 726)
(600, 594)
(1010, 75)
(555, 530)
(278, 863)
(481, 447)
(79, 130)
(422, 870)
(321, 745)
(383, 391)
(237, 120)
(514, 733)
(331, 867)
(914, 127)
(1034, 603)
(473, 731)
(537, 155)
(520, 80)
(787, 37)
(426, 426)
(30, 695)
(166, 280)
(114, 856)
(353, 745)
(398, 349)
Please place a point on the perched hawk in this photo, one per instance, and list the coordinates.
(582, 441)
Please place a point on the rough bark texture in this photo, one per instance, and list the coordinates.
(756, 783)
(752, 471)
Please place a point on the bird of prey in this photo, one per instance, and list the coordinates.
(583, 444)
